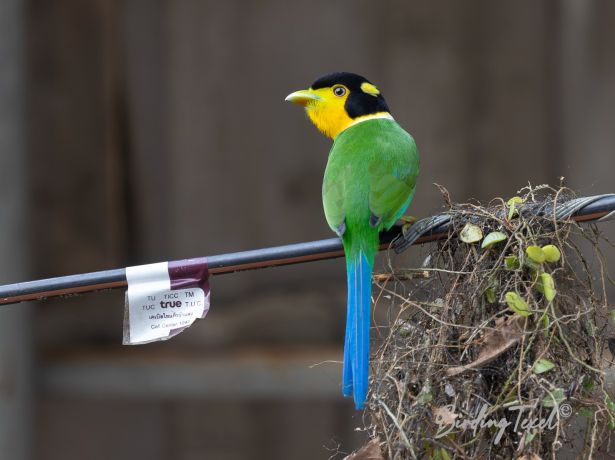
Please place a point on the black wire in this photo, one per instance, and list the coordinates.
(602, 206)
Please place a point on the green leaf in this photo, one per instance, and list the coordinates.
(535, 267)
(613, 316)
(493, 238)
(425, 396)
(542, 365)
(517, 304)
(491, 290)
(587, 412)
(444, 454)
(512, 203)
(490, 294)
(588, 384)
(515, 200)
(589, 327)
(551, 253)
(545, 323)
(554, 398)
(548, 286)
(512, 262)
(535, 254)
(471, 233)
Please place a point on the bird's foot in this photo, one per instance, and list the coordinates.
(407, 221)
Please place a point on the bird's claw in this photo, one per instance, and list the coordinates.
(407, 222)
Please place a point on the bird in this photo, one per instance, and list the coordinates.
(369, 181)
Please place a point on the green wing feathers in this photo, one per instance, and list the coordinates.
(333, 198)
(390, 193)
(372, 171)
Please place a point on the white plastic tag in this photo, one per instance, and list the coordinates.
(156, 312)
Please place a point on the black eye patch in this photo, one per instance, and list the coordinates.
(360, 104)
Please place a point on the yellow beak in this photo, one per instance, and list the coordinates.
(303, 97)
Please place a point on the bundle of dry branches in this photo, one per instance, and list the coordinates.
(496, 346)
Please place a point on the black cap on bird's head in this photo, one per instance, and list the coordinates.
(339, 100)
(363, 98)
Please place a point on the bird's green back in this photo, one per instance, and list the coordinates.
(370, 176)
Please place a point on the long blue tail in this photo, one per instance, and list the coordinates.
(356, 344)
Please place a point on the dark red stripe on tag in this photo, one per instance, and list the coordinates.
(189, 273)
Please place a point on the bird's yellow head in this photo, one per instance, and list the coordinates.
(339, 100)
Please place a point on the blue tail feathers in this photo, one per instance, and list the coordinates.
(356, 344)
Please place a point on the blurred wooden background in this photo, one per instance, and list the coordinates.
(157, 130)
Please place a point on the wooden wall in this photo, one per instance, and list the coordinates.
(158, 130)
(15, 320)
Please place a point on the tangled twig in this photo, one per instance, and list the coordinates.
(488, 345)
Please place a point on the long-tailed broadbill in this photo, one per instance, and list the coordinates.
(368, 184)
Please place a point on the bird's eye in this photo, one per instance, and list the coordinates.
(339, 91)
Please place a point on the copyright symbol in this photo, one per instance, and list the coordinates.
(565, 410)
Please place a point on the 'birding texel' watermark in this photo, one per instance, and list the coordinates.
(522, 418)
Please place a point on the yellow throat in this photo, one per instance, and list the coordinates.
(327, 111)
